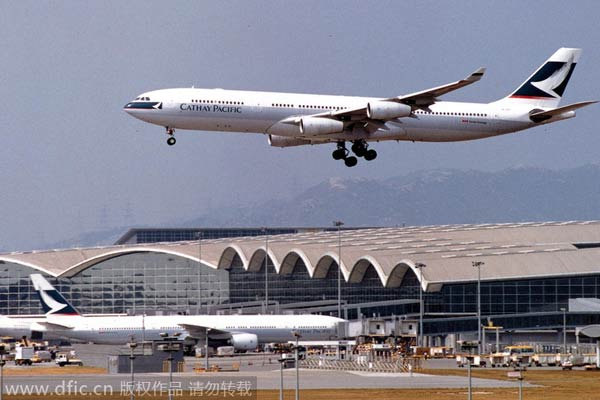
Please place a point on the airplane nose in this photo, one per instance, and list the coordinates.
(128, 108)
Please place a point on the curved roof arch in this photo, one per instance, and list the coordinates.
(325, 262)
(362, 265)
(25, 264)
(397, 274)
(257, 260)
(228, 255)
(90, 262)
(290, 260)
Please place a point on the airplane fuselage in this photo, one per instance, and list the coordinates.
(267, 328)
(262, 112)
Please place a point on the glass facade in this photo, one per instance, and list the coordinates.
(17, 296)
(300, 287)
(145, 282)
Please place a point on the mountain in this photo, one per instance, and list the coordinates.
(433, 197)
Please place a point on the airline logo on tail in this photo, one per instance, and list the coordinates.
(52, 301)
(551, 79)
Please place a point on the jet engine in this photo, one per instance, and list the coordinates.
(244, 341)
(387, 110)
(315, 126)
(284, 141)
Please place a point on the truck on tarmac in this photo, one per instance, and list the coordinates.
(63, 359)
(24, 355)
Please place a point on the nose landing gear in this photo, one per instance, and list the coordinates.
(171, 140)
(359, 147)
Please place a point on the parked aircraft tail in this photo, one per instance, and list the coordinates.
(52, 301)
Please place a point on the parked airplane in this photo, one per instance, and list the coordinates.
(291, 119)
(244, 332)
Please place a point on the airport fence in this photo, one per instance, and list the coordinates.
(399, 365)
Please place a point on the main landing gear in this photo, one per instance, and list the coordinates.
(359, 147)
(171, 140)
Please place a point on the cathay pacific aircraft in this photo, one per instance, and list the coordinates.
(244, 332)
(290, 119)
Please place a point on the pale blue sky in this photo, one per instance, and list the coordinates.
(73, 161)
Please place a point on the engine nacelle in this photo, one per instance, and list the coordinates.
(387, 110)
(244, 341)
(316, 126)
(284, 141)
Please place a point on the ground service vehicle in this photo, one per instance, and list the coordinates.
(63, 359)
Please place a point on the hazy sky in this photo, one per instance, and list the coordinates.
(72, 161)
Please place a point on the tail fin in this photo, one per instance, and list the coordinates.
(52, 301)
(546, 86)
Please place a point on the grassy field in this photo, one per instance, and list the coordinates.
(554, 385)
(52, 370)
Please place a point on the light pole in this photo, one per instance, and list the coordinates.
(564, 311)
(132, 345)
(2, 362)
(266, 269)
(281, 361)
(200, 235)
(420, 267)
(206, 351)
(339, 225)
(170, 347)
(297, 335)
(478, 264)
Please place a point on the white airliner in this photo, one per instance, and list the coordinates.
(244, 332)
(299, 119)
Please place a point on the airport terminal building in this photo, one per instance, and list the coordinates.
(529, 272)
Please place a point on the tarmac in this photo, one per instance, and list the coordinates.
(256, 372)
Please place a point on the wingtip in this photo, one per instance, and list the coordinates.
(475, 76)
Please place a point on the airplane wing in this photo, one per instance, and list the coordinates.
(544, 115)
(197, 331)
(420, 99)
(373, 115)
(53, 325)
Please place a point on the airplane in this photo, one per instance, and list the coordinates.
(244, 332)
(290, 119)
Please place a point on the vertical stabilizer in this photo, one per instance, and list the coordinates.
(52, 301)
(546, 86)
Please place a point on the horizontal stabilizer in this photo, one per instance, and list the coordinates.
(544, 115)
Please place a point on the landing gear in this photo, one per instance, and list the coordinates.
(359, 147)
(341, 153)
(171, 140)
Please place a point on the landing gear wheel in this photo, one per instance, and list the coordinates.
(359, 148)
(339, 153)
(351, 161)
(370, 155)
(171, 140)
